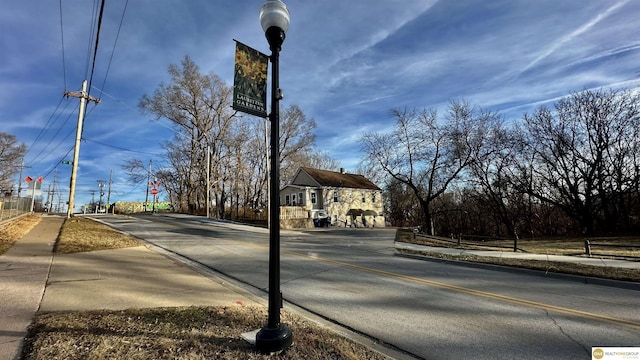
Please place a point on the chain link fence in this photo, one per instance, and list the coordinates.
(14, 206)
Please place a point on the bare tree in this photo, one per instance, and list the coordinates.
(200, 107)
(11, 154)
(584, 156)
(490, 173)
(296, 141)
(428, 154)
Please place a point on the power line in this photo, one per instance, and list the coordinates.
(114, 44)
(95, 49)
(64, 67)
(54, 136)
(59, 161)
(120, 148)
(46, 126)
(89, 45)
(157, 120)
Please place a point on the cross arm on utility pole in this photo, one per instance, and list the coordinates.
(81, 95)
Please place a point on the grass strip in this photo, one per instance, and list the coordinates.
(177, 333)
(80, 234)
(15, 230)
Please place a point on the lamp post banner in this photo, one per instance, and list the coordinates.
(250, 81)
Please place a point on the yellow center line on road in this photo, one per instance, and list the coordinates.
(509, 299)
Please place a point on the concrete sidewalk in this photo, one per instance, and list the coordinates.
(32, 279)
(23, 274)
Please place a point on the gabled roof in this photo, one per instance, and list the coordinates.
(334, 179)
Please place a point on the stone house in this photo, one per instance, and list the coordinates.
(321, 197)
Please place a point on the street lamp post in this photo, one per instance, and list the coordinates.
(274, 18)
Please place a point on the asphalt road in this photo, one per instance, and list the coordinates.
(429, 309)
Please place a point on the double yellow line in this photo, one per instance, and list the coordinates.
(460, 289)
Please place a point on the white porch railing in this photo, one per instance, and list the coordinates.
(293, 212)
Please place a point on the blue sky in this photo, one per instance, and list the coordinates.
(346, 64)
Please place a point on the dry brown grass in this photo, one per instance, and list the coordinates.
(177, 333)
(567, 246)
(15, 230)
(80, 234)
(603, 272)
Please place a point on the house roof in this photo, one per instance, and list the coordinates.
(336, 179)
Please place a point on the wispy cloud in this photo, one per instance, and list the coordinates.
(559, 43)
(345, 63)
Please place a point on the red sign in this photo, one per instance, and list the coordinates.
(28, 179)
(154, 191)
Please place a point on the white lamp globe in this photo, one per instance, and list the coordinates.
(274, 13)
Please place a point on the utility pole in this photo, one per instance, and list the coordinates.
(53, 193)
(93, 198)
(146, 199)
(33, 195)
(208, 181)
(47, 205)
(22, 167)
(100, 186)
(84, 96)
(109, 190)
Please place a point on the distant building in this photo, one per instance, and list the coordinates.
(321, 197)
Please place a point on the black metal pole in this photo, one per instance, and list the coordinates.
(275, 336)
(274, 227)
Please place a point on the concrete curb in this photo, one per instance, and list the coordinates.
(548, 274)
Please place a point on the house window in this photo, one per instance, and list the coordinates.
(313, 197)
(287, 200)
(301, 199)
(335, 196)
(373, 198)
(364, 198)
(293, 199)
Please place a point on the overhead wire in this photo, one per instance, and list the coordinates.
(91, 34)
(120, 148)
(50, 169)
(47, 125)
(95, 48)
(157, 121)
(115, 43)
(92, 49)
(64, 67)
(54, 136)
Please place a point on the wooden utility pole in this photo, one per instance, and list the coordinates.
(109, 192)
(20, 180)
(208, 181)
(84, 96)
(146, 198)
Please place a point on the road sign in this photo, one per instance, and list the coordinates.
(154, 191)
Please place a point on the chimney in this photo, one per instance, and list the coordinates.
(342, 171)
